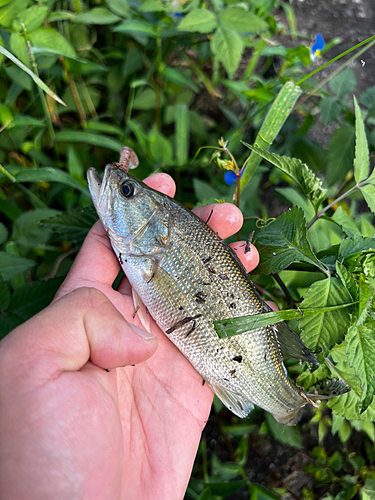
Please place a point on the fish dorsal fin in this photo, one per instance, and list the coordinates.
(240, 405)
(328, 389)
(291, 345)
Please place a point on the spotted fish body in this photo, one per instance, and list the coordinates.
(188, 277)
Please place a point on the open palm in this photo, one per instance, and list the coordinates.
(132, 432)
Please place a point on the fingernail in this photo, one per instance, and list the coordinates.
(141, 333)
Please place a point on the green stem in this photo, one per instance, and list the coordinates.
(345, 195)
(335, 59)
(7, 174)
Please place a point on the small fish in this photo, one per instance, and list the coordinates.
(188, 277)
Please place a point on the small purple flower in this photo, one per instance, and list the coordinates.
(317, 47)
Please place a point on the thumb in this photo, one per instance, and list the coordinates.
(82, 325)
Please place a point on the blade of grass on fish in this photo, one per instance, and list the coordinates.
(275, 119)
(35, 77)
(236, 326)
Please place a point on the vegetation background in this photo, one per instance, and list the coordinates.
(167, 78)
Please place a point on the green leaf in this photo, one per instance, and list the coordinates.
(204, 191)
(182, 134)
(340, 154)
(275, 119)
(89, 138)
(368, 193)
(30, 299)
(10, 11)
(327, 329)
(368, 97)
(120, 7)
(73, 226)
(351, 246)
(362, 159)
(226, 488)
(160, 147)
(176, 76)
(368, 489)
(32, 18)
(330, 109)
(135, 27)
(344, 83)
(201, 20)
(284, 241)
(27, 231)
(298, 171)
(49, 174)
(50, 38)
(241, 20)
(75, 166)
(12, 265)
(3, 233)
(227, 46)
(361, 356)
(366, 295)
(36, 78)
(98, 15)
(301, 52)
(347, 279)
(4, 295)
(236, 326)
(346, 222)
(153, 6)
(288, 435)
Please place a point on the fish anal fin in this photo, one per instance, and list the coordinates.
(240, 405)
(291, 345)
(328, 389)
(140, 311)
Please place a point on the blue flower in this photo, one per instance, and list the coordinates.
(317, 47)
(230, 177)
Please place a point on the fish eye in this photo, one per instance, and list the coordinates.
(128, 189)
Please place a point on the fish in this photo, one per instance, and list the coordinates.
(188, 277)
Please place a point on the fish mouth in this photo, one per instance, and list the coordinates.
(97, 185)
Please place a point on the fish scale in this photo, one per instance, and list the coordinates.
(188, 277)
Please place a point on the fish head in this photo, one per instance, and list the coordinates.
(133, 215)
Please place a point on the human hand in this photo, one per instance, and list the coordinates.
(70, 430)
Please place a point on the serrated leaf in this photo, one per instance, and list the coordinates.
(366, 295)
(227, 46)
(30, 299)
(284, 241)
(89, 138)
(73, 226)
(368, 97)
(347, 279)
(368, 193)
(325, 330)
(201, 20)
(153, 6)
(360, 350)
(340, 154)
(308, 379)
(298, 171)
(346, 222)
(49, 174)
(361, 160)
(344, 83)
(351, 246)
(98, 15)
(4, 295)
(242, 20)
(27, 231)
(288, 435)
(12, 265)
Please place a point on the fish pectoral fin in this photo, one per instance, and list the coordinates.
(328, 389)
(239, 404)
(291, 345)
